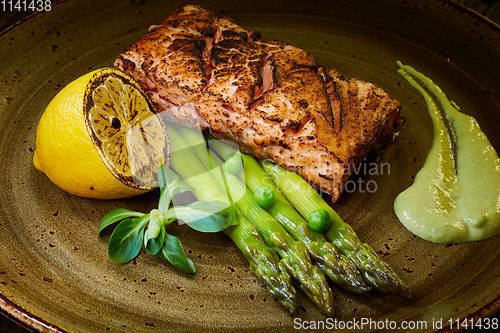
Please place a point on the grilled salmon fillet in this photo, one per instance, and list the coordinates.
(271, 98)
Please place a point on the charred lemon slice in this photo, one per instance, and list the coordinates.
(128, 135)
(100, 138)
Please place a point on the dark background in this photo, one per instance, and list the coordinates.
(489, 8)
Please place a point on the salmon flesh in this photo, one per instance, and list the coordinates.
(271, 98)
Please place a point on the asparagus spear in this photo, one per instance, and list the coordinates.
(293, 253)
(305, 199)
(340, 269)
(264, 262)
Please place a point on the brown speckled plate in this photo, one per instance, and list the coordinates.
(54, 270)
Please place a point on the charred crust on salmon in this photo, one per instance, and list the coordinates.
(277, 120)
(271, 98)
(325, 176)
(255, 35)
(208, 31)
(127, 63)
(216, 55)
(303, 104)
(230, 33)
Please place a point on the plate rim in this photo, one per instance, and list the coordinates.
(23, 317)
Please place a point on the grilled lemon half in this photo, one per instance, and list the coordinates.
(100, 138)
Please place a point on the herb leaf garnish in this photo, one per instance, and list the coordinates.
(205, 216)
(126, 240)
(155, 233)
(173, 188)
(173, 252)
(135, 229)
(116, 215)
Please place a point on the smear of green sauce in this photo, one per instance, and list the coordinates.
(456, 195)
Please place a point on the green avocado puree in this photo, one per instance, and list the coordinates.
(456, 195)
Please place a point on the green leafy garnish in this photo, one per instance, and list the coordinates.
(173, 188)
(135, 229)
(155, 233)
(116, 215)
(126, 240)
(205, 216)
(173, 252)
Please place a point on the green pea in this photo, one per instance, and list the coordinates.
(234, 164)
(264, 196)
(319, 220)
